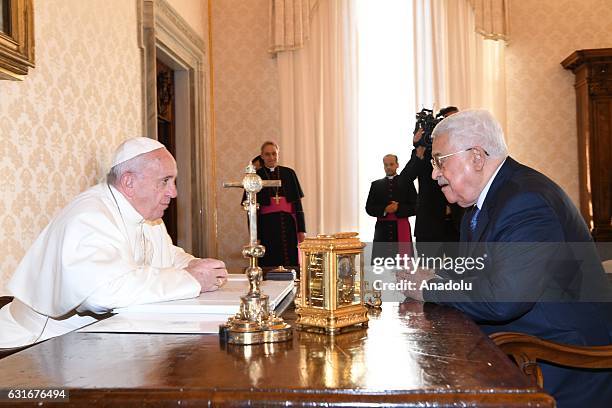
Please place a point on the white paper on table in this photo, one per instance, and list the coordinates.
(223, 301)
(189, 323)
(199, 315)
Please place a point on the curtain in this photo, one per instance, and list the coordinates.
(492, 18)
(289, 24)
(455, 64)
(319, 115)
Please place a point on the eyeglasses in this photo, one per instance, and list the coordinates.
(437, 160)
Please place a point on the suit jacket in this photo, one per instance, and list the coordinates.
(542, 275)
(382, 192)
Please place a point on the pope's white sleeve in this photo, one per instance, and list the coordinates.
(143, 285)
(181, 258)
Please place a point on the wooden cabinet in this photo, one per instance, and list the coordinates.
(16, 38)
(593, 70)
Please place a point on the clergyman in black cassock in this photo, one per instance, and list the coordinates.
(280, 217)
(388, 230)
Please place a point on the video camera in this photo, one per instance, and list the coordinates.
(426, 121)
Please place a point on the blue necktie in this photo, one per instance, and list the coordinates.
(474, 220)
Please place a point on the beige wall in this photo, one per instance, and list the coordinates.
(59, 125)
(246, 107)
(541, 100)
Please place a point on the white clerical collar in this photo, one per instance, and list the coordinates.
(485, 190)
(128, 212)
(271, 168)
(391, 177)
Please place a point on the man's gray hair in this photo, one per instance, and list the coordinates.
(471, 128)
(134, 165)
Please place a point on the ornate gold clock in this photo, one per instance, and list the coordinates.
(331, 288)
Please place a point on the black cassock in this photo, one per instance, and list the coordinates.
(278, 231)
(382, 192)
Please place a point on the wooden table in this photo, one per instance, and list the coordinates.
(411, 355)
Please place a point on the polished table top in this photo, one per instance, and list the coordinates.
(411, 354)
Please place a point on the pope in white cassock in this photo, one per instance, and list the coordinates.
(108, 248)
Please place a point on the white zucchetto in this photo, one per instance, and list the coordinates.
(134, 147)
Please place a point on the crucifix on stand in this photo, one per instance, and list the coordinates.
(254, 323)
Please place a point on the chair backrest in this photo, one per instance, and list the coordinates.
(526, 350)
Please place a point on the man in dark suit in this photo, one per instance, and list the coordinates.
(540, 271)
(391, 204)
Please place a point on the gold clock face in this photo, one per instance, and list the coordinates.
(345, 267)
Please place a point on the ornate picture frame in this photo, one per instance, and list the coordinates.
(16, 45)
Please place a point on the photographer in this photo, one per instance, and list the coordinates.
(436, 221)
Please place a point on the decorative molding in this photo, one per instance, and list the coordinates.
(146, 32)
(600, 83)
(162, 8)
(578, 58)
(602, 88)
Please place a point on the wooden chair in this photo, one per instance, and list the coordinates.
(526, 350)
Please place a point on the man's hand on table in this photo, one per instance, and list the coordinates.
(413, 290)
(210, 273)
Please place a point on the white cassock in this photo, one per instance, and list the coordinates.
(97, 254)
